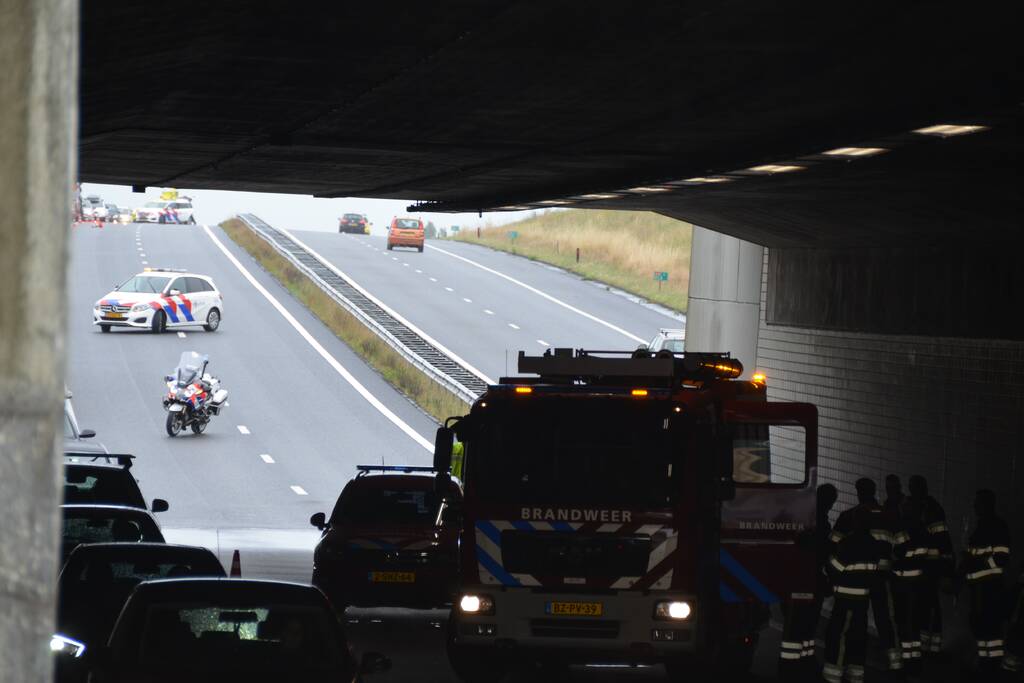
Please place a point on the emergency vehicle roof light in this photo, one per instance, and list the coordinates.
(639, 392)
(364, 469)
(524, 390)
(759, 378)
(660, 369)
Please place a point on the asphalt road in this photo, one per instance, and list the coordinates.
(456, 293)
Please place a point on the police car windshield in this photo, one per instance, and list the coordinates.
(145, 284)
(576, 452)
(155, 205)
(382, 506)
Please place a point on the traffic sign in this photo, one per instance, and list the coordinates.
(661, 276)
(512, 235)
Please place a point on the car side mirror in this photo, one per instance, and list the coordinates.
(87, 433)
(168, 378)
(444, 441)
(174, 292)
(319, 520)
(374, 662)
(160, 505)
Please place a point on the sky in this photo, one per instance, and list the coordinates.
(296, 212)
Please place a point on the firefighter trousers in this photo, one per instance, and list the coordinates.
(846, 640)
(796, 654)
(931, 631)
(910, 612)
(987, 622)
(885, 622)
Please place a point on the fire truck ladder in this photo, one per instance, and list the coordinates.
(462, 380)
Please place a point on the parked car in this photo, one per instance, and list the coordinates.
(104, 480)
(105, 524)
(221, 630)
(390, 540)
(356, 223)
(166, 211)
(406, 232)
(94, 209)
(97, 579)
(159, 298)
(75, 438)
(673, 340)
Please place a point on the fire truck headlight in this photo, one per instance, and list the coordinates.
(675, 610)
(476, 604)
(62, 645)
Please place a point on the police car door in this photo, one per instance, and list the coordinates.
(767, 528)
(199, 295)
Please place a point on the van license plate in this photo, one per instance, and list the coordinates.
(574, 609)
(393, 577)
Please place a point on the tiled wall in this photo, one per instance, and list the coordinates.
(949, 409)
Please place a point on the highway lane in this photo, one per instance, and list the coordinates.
(485, 318)
(297, 411)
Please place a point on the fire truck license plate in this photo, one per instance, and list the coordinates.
(393, 577)
(574, 609)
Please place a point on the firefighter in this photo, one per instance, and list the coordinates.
(854, 572)
(458, 451)
(881, 527)
(1013, 660)
(796, 655)
(988, 552)
(940, 563)
(893, 497)
(910, 562)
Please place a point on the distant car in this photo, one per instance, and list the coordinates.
(93, 209)
(668, 340)
(124, 215)
(97, 579)
(105, 524)
(104, 480)
(160, 298)
(74, 437)
(406, 232)
(354, 223)
(166, 211)
(390, 541)
(228, 630)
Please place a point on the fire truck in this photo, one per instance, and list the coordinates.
(632, 507)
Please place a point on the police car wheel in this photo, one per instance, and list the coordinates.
(159, 323)
(212, 320)
(104, 328)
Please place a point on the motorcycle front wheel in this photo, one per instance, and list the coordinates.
(175, 422)
(199, 426)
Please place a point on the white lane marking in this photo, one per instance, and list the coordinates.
(406, 265)
(488, 311)
(299, 491)
(331, 360)
(449, 289)
(468, 301)
(433, 279)
(394, 258)
(266, 458)
(547, 296)
(542, 342)
(418, 270)
(142, 255)
(145, 263)
(513, 326)
(181, 335)
(244, 429)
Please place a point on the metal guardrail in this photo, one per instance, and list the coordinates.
(428, 358)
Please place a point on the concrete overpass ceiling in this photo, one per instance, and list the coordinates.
(479, 105)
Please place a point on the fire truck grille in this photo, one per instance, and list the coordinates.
(597, 556)
(577, 628)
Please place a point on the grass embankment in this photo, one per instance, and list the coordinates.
(400, 373)
(620, 248)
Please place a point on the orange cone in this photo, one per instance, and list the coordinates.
(236, 566)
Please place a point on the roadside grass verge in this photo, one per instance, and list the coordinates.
(400, 373)
(620, 248)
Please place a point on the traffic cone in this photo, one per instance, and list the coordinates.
(236, 566)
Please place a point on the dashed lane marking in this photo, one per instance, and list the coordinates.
(266, 458)
(449, 289)
(145, 263)
(538, 292)
(513, 326)
(318, 347)
(468, 301)
(181, 335)
(419, 271)
(299, 491)
(488, 311)
(243, 429)
(542, 342)
(433, 279)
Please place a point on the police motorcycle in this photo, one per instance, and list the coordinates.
(193, 395)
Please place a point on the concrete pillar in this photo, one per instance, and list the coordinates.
(38, 138)
(725, 296)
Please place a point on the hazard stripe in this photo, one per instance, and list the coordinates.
(748, 580)
(727, 594)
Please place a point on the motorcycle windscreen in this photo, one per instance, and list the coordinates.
(767, 535)
(190, 367)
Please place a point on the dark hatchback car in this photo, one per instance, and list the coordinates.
(390, 540)
(104, 480)
(105, 524)
(98, 578)
(228, 630)
(353, 223)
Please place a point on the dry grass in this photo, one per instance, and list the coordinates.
(400, 373)
(620, 248)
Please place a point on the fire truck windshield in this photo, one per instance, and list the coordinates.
(572, 451)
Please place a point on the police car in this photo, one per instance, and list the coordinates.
(159, 298)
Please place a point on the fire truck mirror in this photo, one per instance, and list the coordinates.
(443, 443)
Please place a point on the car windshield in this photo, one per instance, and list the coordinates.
(190, 366)
(407, 224)
(145, 284)
(575, 452)
(674, 345)
(101, 485)
(382, 506)
(107, 526)
(256, 638)
(155, 205)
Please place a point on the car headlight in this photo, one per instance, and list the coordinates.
(672, 610)
(476, 604)
(139, 308)
(62, 645)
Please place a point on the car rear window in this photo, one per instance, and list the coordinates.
(99, 567)
(407, 224)
(384, 506)
(353, 217)
(100, 485)
(90, 527)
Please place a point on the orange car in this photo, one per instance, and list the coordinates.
(406, 232)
